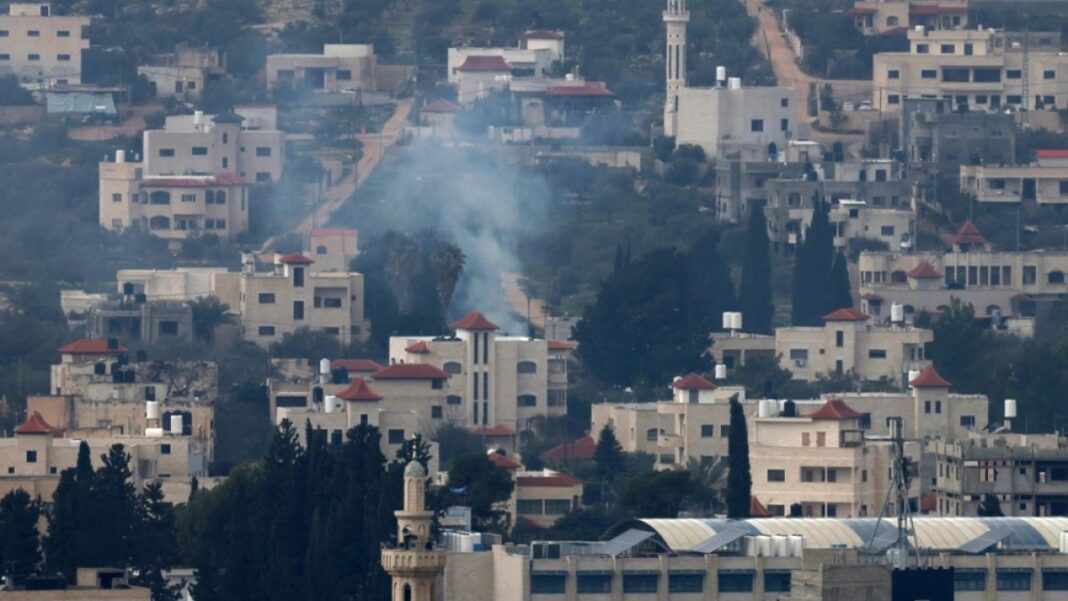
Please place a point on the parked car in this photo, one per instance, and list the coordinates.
(865, 105)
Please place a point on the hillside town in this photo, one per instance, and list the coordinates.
(534, 300)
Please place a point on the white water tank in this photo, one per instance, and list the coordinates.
(198, 118)
(913, 374)
(120, 156)
(1064, 542)
(726, 320)
(330, 404)
(324, 367)
(154, 432)
(797, 545)
(151, 409)
(736, 321)
(764, 408)
(780, 546)
(721, 371)
(176, 425)
(721, 74)
(1010, 408)
(734, 83)
(897, 313)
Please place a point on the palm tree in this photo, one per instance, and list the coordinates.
(209, 313)
(711, 481)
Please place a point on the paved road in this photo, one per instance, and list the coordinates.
(374, 148)
(518, 300)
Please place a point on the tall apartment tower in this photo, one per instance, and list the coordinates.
(414, 564)
(675, 19)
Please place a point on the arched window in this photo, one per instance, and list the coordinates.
(209, 197)
(1056, 277)
(891, 21)
(899, 277)
(220, 197)
(453, 399)
(320, 250)
(452, 367)
(407, 592)
(160, 197)
(527, 400)
(650, 434)
(526, 367)
(159, 223)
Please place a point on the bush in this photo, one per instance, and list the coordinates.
(13, 94)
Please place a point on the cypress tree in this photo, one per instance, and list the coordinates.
(739, 478)
(813, 265)
(754, 295)
(839, 292)
(18, 531)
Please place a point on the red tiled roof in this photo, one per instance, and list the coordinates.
(419, 348)
(35, 425)
(409, 371)
(542, 34)
(924, 271)
(485, 64)
(441, 105)
(929, 378)
(579, 91)
(474, 321)
(556, 481)
(358, 390)
(871, 296)
(757, 509)
(327, 232)
(968, 234)
(1052, 153)
(91, 346)
(693, 382)
(503, 461)
(366, 365)
(834, 409)
(560, 345)
(929, 502)
(498, 430)
(220, 179)
(847, 314)
(296, 258)
(934, 9)
(582, 448)
(861, 10)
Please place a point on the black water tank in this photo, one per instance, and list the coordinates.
(100, 369)
(789, 409)
(317, 394)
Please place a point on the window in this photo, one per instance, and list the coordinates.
(967, 421)
(529, 506)
(263, 151)
(948, 49)
(1030, 275)
(776, 582)
(557, 506)
(452, 367)
(1014, 99)
(266, 330)
(31, 456)
(298, 277)
(332, 303)
(165, 449)
(34, 57)
(650, 434)
(798, 354)
(735, 582)
(63, 33)
(923, 48)
(1013, 74)
(876, 353)
(1054, 581)
(344, 75)
(263, 176)
(724, 430)
(929, 74)
(527, 400)
(436, 412)
(1049, 74)
(893, 74)
(756, 125)
(396, 436)
(526, 367)
(1055, 277)
(298, 310)
(453, 399)
(784, 124)
(33, 33)
(927, 406)
(1014, 580)
(839, 339)
(166, 152)
(686, 582)
(955, 75)
(3, 33)
(116, 197)
(199, 151)
(159, 222)
(189, 197)
(785, 102)
(548, 584)
(887, 230)
(266, 298)
(5, 57)
(63, 57)
(438, 384)
(776, 475)
(708, 430)
(640, 583)
(1062, 187)
(893, 99)
(168, 328)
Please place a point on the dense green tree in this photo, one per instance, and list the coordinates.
(476, 483)
(754, 293)
(208, 314)
(657, 494)
(839, 292)
(455, 441)
(155, 543)
(18, 531)
(609, 455)
(69, 540)
(812, 267)
(739, 477)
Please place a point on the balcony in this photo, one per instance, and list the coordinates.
(406, 562)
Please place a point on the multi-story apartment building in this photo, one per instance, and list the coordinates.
(846, 343)
(996, 283)
(339, 67)
(1044, 182)
(134, 318)
(980, 69)
(938, 140)
(184, 72)
(732, 121)
(42, 49)
(824, 465)
(802, 559)
(245, 142)
(1027, 473)
(294, 295)
(887, 17)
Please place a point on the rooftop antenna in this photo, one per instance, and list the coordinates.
(899, 488)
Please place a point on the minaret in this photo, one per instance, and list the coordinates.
(675, 19)
(414, 564)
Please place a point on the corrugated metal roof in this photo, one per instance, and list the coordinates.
(624, 542)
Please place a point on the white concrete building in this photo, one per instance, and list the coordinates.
(1044, 182)
(983, 69)
(340, 67)
(180, 284)
(532, 57)
(245, 143)
(732, 121)
(889, 17)
(42, 49)
(184, 73)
